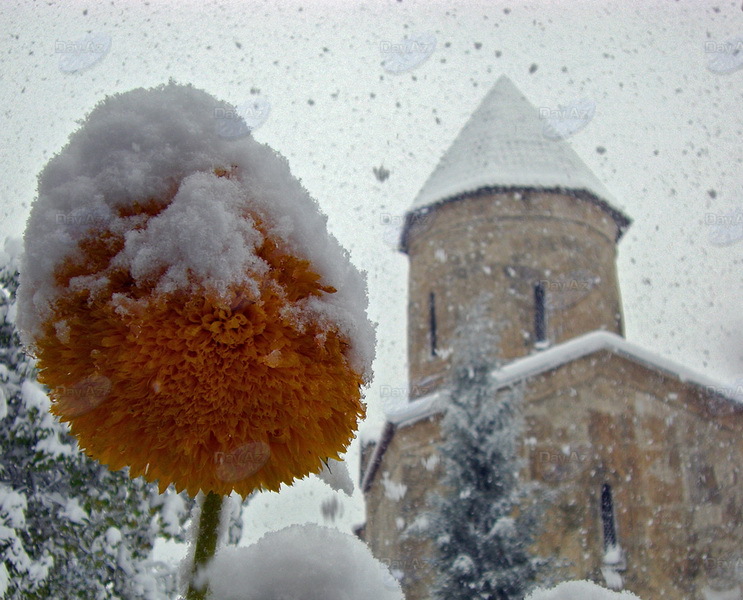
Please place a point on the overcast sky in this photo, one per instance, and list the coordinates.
(665, 138)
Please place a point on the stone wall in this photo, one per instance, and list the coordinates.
(407, 461)
(670, 452)
(499, 246)
(670, 463)
(667, 453)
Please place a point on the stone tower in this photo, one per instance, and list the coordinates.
(518, 217)
(642, 456)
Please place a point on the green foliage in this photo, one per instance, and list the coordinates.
(69, 527)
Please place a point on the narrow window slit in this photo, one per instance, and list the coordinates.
(540, 319)
(432, 321)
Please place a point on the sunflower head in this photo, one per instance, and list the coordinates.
(199, 336)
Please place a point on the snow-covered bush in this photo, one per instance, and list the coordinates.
(69, 527)
(579, 590)
(301, 562)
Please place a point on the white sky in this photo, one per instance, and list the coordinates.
(671, 130)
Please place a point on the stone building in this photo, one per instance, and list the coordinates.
(643, 456)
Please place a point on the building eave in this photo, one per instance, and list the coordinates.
(376, 458)
(541, 362)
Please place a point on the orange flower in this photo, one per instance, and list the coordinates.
(210, 391)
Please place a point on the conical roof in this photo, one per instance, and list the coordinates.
(503, 146)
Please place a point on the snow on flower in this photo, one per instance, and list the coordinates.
(301, 562)
(187, 307)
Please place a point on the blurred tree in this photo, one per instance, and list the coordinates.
(481, 525)
(70, 527)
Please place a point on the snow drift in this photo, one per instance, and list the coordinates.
(301, 562)
(579, 590)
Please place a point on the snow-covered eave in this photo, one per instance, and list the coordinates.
(596, 341)
(622, 220)
(376, 458)
(589, 343)
(530, 366)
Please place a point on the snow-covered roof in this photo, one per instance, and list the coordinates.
(556, 356)
(530, 366)
(503, 146)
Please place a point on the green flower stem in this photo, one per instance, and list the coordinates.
(206, 542)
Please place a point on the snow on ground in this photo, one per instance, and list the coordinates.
(579, 590)
(301, 562)
(164, 142)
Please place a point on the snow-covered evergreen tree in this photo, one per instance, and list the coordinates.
(69, 527)
(480, 526)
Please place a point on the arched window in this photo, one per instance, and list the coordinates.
(607, 517)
